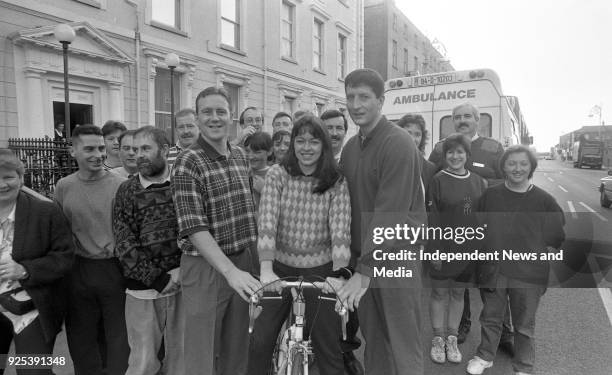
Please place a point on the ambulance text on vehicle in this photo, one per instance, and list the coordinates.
(435, 95)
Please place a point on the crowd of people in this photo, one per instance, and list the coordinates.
(150, 251)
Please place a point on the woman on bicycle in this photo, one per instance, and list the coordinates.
(304, 230)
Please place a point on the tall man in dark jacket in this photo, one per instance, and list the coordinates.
(382, 168)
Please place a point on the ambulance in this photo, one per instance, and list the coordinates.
(434, 96)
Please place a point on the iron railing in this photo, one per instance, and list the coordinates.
(45, 161)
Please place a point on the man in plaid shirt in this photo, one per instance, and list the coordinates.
(217, 234)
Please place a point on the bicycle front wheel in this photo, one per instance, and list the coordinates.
(298, 365)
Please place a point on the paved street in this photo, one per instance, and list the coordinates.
(573, 329)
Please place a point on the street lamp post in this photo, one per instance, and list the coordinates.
(65, 34)
(172, 60)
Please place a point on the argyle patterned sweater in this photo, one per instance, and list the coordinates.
(145, 227)
(299, 228)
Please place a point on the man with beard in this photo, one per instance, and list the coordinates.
(187, 133)
(484, 161)
(144, 223)
(97, 289)
(337, 126)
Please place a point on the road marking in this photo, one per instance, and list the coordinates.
(606, 298)
(572, 209)
(562, 188)
(550, 179)
(593, 211)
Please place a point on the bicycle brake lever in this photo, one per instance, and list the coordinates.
(253, 300)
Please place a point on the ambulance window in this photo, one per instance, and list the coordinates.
(447, 127)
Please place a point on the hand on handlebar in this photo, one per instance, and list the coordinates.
(268, 277)
(353, 290)
(243, 283)
(336, 285)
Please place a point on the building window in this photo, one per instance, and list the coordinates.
(394, 22)
(406, 29)
(394, 54)
(416, 64)
(234, 94)
(163, 119)
(230, 23)
(320, 108)
(289, 105)
(406, 69)
(416, 41)
(317, 45)
(167, 12)
(287, 30)
(341, 56)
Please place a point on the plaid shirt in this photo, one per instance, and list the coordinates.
(212, 193)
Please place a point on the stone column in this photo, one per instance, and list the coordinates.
(35, 126)
(115, 101)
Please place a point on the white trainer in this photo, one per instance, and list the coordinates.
(477, 365)
(453, 354)
(438, 354)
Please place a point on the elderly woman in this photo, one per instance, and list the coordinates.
(525, 219)
(36, 252)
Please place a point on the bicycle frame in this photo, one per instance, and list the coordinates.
(292, 345)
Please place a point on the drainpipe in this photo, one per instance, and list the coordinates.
(265, 62)
(134, 4)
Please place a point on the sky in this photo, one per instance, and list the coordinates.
(556, 56)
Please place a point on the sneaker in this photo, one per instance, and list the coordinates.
(452, 351)
(438, 354)
(464, 330)
(477, 365)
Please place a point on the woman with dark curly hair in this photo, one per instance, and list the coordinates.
(304, 230)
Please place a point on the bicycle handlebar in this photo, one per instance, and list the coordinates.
(302, 284)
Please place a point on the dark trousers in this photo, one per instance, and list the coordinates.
(6, 337)
(507, 330)
(320, 316)
(97, 292)
(29, 341)
(523, 300)
(392, 324)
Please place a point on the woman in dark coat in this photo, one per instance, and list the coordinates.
(36, 252)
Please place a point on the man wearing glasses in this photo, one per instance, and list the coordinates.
(251, 122)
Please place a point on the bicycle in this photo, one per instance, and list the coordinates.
(291, 355)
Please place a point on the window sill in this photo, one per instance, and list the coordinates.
(169, 28)
(289, 59)
(232, 49)
(319, 71)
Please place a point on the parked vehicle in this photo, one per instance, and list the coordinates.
(435, 95)
(605, 190)
(588, 153)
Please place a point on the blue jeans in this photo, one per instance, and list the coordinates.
(148, 322)
(524, 299)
